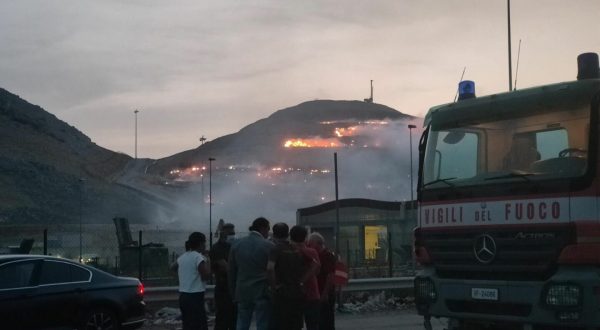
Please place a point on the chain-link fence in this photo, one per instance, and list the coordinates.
(375, 263)
(148, 256)
(150, 251)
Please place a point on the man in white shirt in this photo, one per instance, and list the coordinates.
(193, 268)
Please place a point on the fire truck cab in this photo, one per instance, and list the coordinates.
(509, 217)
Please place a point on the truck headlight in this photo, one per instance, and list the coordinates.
(425, 290)
(563, 295)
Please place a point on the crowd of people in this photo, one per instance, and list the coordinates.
(283, 282)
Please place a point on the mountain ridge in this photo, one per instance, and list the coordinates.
(50, 172)
(273, 130)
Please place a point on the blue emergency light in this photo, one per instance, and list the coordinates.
(466, 90)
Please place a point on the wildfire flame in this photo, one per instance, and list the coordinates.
(345, 131)
(340, 134)
(312, 143)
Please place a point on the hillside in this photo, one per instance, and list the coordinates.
(284, 162)
(50, 171)
(262, 142)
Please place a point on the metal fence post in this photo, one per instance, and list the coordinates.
(46, 241)
(390, 254)
(140, 256)
(348, 253)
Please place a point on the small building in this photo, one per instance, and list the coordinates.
(375, 236)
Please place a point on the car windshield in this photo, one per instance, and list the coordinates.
(503, 146)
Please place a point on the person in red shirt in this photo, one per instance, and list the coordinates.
(312, 297)
(325, 277)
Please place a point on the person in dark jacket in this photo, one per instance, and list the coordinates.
(285, 269)
(225, 315)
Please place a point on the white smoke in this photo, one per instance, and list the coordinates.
(243, 193)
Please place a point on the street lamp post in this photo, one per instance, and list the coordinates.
(135, 114)
(210, 160)
(337, 206)
(410, 127)
(81, 180)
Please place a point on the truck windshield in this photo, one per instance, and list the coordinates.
(508, 146)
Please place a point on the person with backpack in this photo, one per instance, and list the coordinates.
(309, 279)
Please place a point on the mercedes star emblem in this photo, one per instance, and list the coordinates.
(484, 248)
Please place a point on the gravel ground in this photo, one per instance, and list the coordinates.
(362, 312)
(383, 320)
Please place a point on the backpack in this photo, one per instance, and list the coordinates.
(340, 277)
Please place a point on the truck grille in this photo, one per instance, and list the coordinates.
(522, 253)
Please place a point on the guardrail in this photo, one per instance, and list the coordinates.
(169, 293)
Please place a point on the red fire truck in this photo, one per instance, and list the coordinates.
(509, 211)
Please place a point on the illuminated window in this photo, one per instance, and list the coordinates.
(375, 238)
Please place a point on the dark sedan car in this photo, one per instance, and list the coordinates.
(41, 292)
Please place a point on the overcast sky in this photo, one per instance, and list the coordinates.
(209, 68)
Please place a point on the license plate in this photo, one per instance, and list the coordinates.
(484, 294)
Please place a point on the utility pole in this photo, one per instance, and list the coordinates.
(337, 207)
(135, 112)
(410, 127)
(210, 160)
(81, 181)
(509, 49)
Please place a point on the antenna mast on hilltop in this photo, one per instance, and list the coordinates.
(370, 99)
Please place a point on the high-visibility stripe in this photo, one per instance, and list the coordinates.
(508, 212)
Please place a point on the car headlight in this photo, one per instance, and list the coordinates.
(425, 290)
(563, 295)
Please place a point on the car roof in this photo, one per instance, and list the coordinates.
(99, 274)
(14, 257)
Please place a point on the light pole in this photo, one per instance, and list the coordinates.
(410, 127)
(135, 112)
(81, 219)
(210, 160)
(337, 206)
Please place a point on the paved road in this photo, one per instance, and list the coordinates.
(404, 320)
(397, 320)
